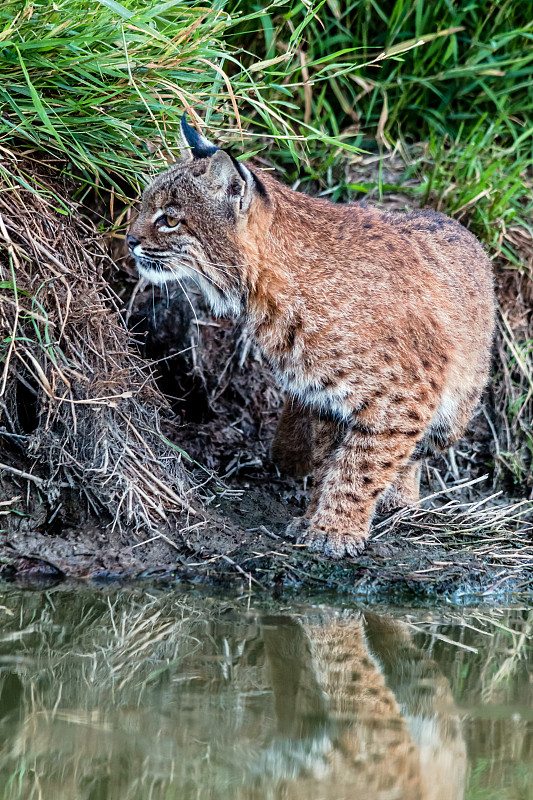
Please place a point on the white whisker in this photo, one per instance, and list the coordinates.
(208, 278)
(191, 305)
(227, 269)
(226, 266)
(223, 294)
(189, 265)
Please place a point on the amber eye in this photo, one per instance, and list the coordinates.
(170, 222)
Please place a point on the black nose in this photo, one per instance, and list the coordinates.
(131, 241)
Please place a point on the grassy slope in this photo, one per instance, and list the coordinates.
(104, 85)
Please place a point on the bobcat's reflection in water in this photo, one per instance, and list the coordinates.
(128, 696)
(360, 711)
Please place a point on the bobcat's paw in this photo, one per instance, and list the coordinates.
(392, 500)
(333, 544)
(296, 527)
(387, 504)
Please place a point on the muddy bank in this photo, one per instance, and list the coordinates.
(466, 547)
(455, 553)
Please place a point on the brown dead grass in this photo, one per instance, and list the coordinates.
(78, 407)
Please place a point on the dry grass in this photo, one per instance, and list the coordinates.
(495, 533)
(75, 399)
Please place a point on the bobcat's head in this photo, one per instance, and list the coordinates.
(191, 220)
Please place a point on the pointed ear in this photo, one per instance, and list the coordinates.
(192, 144)
(230, 178)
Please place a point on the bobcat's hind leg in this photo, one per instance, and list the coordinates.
(292, 450)
(404, 490)
(326, 436)
(363, 465)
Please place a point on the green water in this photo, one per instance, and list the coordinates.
(140, 694)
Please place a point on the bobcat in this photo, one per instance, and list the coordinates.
(378, 325)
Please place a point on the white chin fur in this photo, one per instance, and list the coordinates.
(221, 306)
(157, 276)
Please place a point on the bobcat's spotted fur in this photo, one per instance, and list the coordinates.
(378, 325)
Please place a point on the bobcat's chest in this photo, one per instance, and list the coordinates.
(306, 372)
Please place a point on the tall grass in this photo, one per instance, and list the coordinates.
(105, 83)
(462, 61)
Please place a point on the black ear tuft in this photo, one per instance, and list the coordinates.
(200, 147)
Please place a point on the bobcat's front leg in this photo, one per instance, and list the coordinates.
(357, 472)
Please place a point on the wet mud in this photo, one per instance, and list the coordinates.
(241, 546)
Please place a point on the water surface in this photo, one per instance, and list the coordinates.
(137, 694)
